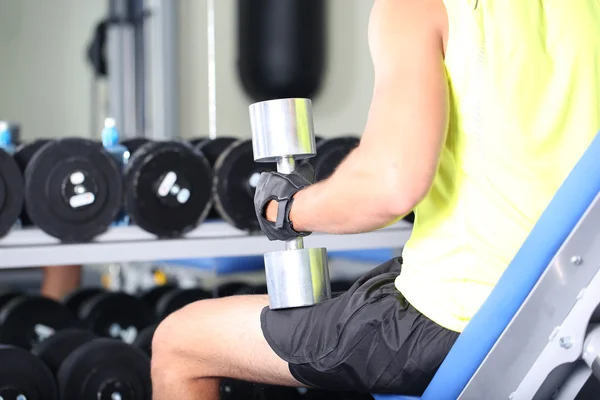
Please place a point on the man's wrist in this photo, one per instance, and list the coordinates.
(296, 212)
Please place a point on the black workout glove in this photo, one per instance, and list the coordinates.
(281, 188)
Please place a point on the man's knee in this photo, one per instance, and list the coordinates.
(179, 335)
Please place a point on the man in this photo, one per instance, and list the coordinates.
(480, 110)
(59, 281)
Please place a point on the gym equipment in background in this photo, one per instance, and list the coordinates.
(76, 298)
(178, 298)
(236, 176)
(28, 320)
(73, 189)
(283, 133)
(281, 47)
(168, 188)
(24, 377)
(11, 192)
(87, 367)
(212, 149)
(330, 154)
(115, 315)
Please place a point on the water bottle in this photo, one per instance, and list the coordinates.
(6, 139)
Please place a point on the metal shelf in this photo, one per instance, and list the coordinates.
(32, 247)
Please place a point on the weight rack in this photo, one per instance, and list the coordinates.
(32, 247)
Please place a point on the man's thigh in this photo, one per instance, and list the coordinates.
(223, 337)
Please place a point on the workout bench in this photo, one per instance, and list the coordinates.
(537, 336)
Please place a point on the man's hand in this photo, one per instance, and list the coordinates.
(274, 198)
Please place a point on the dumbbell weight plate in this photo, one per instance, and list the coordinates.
(168, 188)
(54, 350)
(134, 144)
(75, 299)
(8, 296)
(28, 320)
(233, 289)
(73, 189)
(11, 192)
(152, 296)
(23, 154)
(236, 175)
(144, 340)
(212, 149)
(21, 373)
(116, 315)
(176, 299)
(105, 369)
(330, 154)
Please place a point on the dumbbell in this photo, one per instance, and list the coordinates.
(283, 133)
(113, 315)
(11, 183)
(24, 377)
(168, 187)
(73, 187)
(330, 153)
(27, 320)
(88, 367)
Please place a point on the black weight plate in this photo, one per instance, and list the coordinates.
(152, 296)
(105, 369)
(144, 340)
(212, 149)
(54, 350)
(134, 144)
(330, 153)
(25, 152)
(232, 389)
(116, 315)
(318, 139)
(159, 205)
(28, 320)
(235, 169)
(8, 296)
(177, 299)
(11, 192)
(233, 289)
(75, 299)
(195, 142)
(52, 180)
(21, 373)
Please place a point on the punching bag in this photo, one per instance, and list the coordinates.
(281, 47)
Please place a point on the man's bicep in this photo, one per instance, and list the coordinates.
(407, 121)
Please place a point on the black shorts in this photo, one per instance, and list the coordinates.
(369, 339)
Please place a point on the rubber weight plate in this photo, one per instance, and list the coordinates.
(75, 299)
(21, 373)
(23, 154)
(177, 299)
(116, 315)
(144, 340)
(330, 154)
(236, 176)
(28, 320)
(11, 192)
(134, 144)
(168, 188)
(55, 350)
(8, 296)
(233, 289)
(105, 369)
(152, 296)
(212, 149)
(73, 189)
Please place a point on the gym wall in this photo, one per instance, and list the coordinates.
(45, 83)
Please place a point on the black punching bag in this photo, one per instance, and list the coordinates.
(281, 47)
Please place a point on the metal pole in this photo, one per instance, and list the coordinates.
(212, 71)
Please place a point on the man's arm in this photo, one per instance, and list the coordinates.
(393, 167)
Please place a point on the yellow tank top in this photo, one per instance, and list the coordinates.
(525, 103)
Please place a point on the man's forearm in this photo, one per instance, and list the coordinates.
(354, 199)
